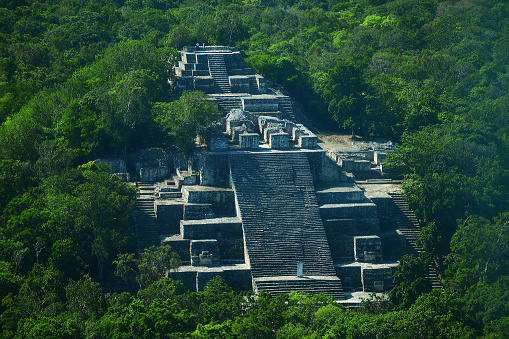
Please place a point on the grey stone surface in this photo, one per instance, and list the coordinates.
(221, 200)
(368, 248)
(204, 252)
(280, 214)
(211, 228)
(153, 174)
(249, 140)
(279, 140)
(169, 213)
(260, 103)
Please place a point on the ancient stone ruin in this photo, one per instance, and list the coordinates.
(263, 206)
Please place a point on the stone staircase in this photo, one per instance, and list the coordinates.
(147, 233)
(219, 73)
(409, 226)
(310, 285)
(281, 220)
(225, 105)
(253, 86)
(286, 108)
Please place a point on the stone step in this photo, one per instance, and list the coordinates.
(279, 209)
(340, 194)
(310, 285)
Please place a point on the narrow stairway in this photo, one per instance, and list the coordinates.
(147, 233)
(282, 224)
(286, 108)
(225, 105)
(409, 226)
(219, 73)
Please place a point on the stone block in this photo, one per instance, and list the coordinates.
(231, 250)
(153, 174)
(221, 200)
(189, 58)
(356, 226)
(202, 67)
(308, 141)
(214, 170)
(217, 143)
(341, 247)
(239, 84)
(186, 66)
(205, 84)
(352, 165)
(297, 131)
(368, 248)
(183, 72)
(204, 252)
(211, 228)
(237, 131)
(273, 128)
(289, 125)
(249, 140)
(350, 275)
(279, 140)
(377, 279)
(340, 194)
(197, 211)
(263, 120)
(169, 214)
(202, 59)
(262, 104)
(231, 124)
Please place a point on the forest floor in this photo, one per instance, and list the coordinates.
(345, 142)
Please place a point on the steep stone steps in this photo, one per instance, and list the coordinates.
(225, 105)
(409, 226)
(219, 73)
(310, 285)
(253, 86)
(280, 215)
(147, 233)
(285, 105)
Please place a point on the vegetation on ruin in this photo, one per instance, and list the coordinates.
(79, 80)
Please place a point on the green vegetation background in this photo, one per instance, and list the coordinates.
(83, 79)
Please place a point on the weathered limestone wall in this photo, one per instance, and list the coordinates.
(153, 174)
(323, 169)
(348, 211)
(222, 200)
(279, 141)
(377, 279)
(211, 228)
(169, 213)
(368, 248)
(354, 226)
(214, 169)
(249, 140)
(263, 104)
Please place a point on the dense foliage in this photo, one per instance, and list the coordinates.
(79, 80)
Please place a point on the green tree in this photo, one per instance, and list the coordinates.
(154, 264)
(186, 118)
